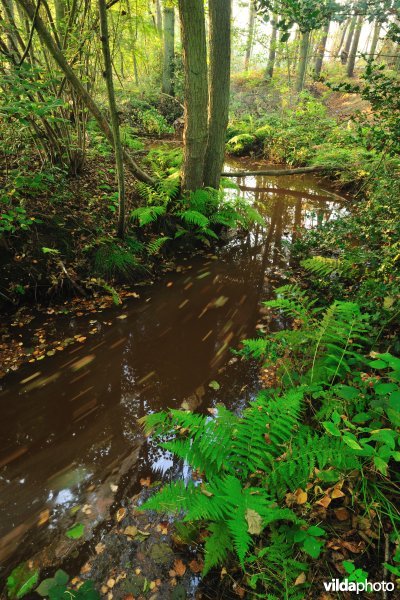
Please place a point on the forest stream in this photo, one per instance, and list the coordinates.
(76, 441)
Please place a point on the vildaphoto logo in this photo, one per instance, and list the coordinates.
(336, 585)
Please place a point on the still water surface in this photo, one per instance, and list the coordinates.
(71, 420)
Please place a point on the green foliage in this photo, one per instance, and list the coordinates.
(113, 259)
(56, 588)
(240, 144)
(21, 581)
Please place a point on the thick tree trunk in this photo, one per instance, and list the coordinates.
(219, 82)
(269, 71)
(375, 39)
(105, 43)
(158, 16)
(345, 53)
(193, 35)
(250, 34)
(169, 45)
(354, 47)
(321, 51)
(302, 66)
(80, 89)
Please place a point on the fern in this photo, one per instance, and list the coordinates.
(148, 214)
(194, 217)
(325, 267)
(155, 246)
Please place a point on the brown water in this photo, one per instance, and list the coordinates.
(70, 421)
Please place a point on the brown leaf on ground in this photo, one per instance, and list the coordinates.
(301, 496)
(145, 481)
(179, 567)
(325, 501)
(300, 579)
(342, 514)
(120, 514)
(196, 566)
(354, 547)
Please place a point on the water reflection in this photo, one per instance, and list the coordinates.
(68, 422)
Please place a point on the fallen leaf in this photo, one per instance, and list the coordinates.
(301, 496)
(99, 548)
(196, 566)
(120, 514)
(122, 317)
(145, 481)
(81, 339)
(254, 522)
(131, 530)
(179, 567)
(43, 517)
(214, 385)
(113, 487)
(353, 547)
(336, 493)
(342, 514)
(300, 579)
(325, 501)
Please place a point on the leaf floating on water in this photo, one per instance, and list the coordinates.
(219, 302)
(122, 317)
(44, 516)
(206, 274)
(120, 514)
(214, 385)
(75, 532)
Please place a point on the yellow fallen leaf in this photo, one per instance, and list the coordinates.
(120, 514)
(300, 579)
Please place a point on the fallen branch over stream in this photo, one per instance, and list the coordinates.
(298, 171)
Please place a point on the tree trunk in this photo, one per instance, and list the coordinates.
(193, 35)
(219, 82)
(342, 37)
(269, 71)
(80, 89)
(375, 39)
(345, 53)
(250, 34)
(105, 43)
(60, 14)
(169, 44)
(158, 16)
(321, 51)
(302, 66)
(354, 47)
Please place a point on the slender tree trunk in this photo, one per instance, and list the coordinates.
(219, 82)
(169, 44)
(341, 41)
(269, 71)
(158, 16)
(375, 39)
(193, 35)
(302, 66)
(345, 53)
(250, 34)
(105, 43)
(60, 14)
(79, 88)
(321, 51)
(354, 47)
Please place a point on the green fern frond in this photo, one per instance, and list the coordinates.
(155, 246)
(194, 217)
(217, 545)
(148, 214)
(322, 266)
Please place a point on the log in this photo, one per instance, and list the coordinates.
(273, 172)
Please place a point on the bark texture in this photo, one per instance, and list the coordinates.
(375, 39)
(119, 161)
(349, 39)
(168, 57)
(250, 34)
(219, 83)
(195, 133)
(269, 71)
(354, 47)
(321, 50)
(302, 65)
